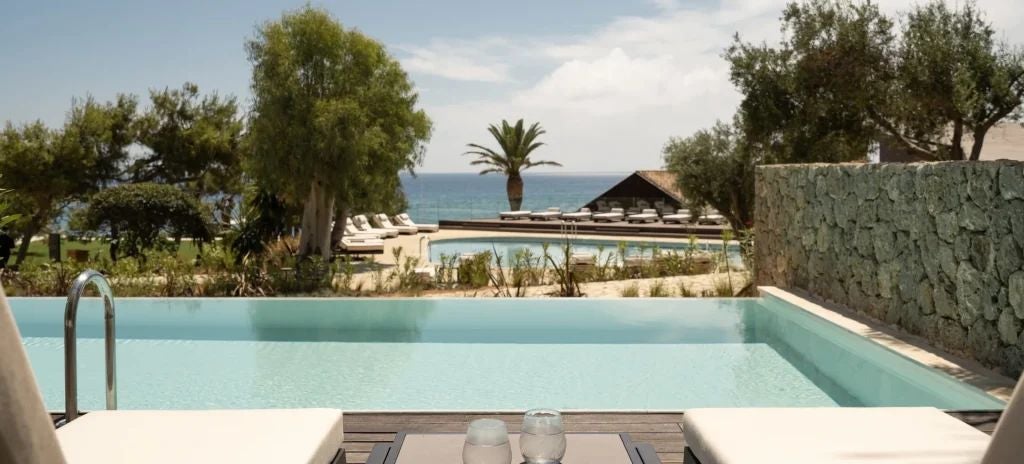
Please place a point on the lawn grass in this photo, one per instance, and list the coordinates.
(38, 250)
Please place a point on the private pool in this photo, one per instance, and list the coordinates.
(508, 246)
(477, 354)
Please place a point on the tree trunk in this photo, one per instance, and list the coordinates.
(338, 232)
(115, 242)
(26, 239)
(957, 141)
(316, 223)
(979, 142)
(514, 187)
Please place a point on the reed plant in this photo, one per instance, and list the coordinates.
(658, 289)
(630, 291)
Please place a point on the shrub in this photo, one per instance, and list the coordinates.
(138, 216)
(630, 291)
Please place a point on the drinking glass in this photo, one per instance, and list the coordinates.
(543, 437)
(487, 443)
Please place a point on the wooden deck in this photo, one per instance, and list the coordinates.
(663, 431)
(651, 229)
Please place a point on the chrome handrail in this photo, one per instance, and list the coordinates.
(70, 352)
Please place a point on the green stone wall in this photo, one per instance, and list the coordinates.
(936, 249)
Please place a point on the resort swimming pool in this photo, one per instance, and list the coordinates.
(509, 246)
(475, 354)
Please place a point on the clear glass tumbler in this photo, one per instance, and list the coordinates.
(487, 443)
(543, 437)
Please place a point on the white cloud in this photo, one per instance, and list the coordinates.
(479, 60)
(611, 99)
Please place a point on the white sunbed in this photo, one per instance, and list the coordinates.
(265, 436)
(364, 226)
(584, 214)
(582, 259)
(679, 217)
(514, 215)
(613, 216)
(351, 231)
(361, 246)
(551, 213)
(712, 217)
(645, 216)
(404, 220)
(850, 436)
(381, 221)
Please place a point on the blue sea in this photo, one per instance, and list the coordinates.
(433, 197)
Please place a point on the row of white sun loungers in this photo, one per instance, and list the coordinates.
(365, 237)
(615, 215)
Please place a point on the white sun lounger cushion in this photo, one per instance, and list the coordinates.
(364, 226)
(358, 244)
(583, 213)
(405, 220)
(831, 436)
(514, 214)
(382, 221)
(614, 215)
(645, 215)
(216, 436)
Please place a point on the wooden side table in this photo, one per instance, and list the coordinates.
(446, 448)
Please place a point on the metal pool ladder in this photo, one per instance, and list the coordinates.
(70, 352)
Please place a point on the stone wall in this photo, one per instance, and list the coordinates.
(933, 248)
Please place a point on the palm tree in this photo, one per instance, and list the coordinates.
(516, 146)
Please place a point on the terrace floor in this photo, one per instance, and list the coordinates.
(663, 431)
(622, 228)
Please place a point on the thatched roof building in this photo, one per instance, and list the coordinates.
(640, 187)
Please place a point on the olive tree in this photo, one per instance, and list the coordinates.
(716, 167)
(333, 115)
(846, 75)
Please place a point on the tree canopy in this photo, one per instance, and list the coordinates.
(190, 140)
(843, 78)
(715, 167)
(333, 118)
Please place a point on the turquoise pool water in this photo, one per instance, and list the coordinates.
(470, 354)
(509, 246)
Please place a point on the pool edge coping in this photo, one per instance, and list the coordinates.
(910, 346)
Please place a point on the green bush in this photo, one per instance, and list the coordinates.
(141, 217)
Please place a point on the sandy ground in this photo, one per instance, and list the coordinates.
(416, 246)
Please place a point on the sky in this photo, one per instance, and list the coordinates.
(610, 80)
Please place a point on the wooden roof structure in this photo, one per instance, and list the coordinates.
(649, 185)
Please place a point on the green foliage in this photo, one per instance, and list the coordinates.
(843, 77)
(953, 79)
(141, 216)
(516, 144)
(716, 167)
(807, 100)
(264, 219)
(5, 206)
(333, 119)
(191, 140)
(103, 132)
(45, 172)
(474, 271)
